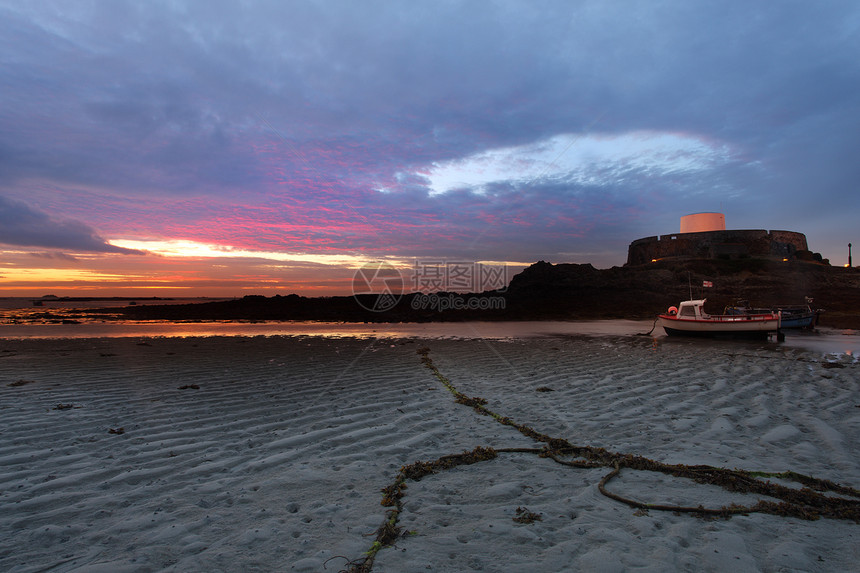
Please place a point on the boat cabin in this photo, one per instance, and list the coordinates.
(692, 310)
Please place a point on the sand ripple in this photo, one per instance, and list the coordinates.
(267, 454)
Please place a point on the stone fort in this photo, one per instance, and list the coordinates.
(704, 236)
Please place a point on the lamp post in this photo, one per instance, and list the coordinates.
(849, 255)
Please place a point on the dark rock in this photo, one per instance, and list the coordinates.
(545, 291)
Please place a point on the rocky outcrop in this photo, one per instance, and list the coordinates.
(568, 291)
(546, 291)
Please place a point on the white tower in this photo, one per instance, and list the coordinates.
(699, 222)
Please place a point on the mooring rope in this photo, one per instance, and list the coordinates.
(653, 326)
(805, 503)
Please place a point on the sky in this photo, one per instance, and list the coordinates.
(273, 147)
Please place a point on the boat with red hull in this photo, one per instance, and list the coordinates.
(690, 319)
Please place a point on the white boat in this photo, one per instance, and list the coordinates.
(692, 320)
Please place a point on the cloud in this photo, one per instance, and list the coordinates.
(271, 125)
(580, 160)
(54, 255)
(21, 225)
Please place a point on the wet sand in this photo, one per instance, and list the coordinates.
(269, 453)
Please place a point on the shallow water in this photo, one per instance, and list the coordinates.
(822, 340)
(489, 330)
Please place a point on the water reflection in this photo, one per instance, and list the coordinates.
(489, 330)
(821, 340)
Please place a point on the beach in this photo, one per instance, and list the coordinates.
(269, 453)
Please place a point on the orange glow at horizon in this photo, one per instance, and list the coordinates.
(193, 249)
(187, 268)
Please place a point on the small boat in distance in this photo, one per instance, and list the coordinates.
(692, 320)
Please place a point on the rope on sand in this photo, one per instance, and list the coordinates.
(653, 326)
(805, 503)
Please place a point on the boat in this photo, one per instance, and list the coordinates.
(793, 316)
(799, 317)
(690, 319)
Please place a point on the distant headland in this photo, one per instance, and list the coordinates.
(766, 268)
(546, 291)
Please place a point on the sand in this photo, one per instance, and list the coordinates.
(269, 453)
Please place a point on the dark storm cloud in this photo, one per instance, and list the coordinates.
(322, 104)
(21, 225)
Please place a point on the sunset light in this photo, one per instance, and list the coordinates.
(256, 256)
(143, 148)
(203, 250)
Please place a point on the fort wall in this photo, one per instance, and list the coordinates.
(732, 244)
